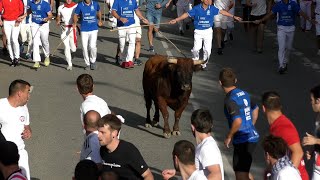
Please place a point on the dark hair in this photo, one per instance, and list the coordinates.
(9, 154)
(271, 101)
(111, 120)
(86, 170)
(17, 85)
(109, 175)
(85, 84)
(91, 118)
(276, 147)
(227, 77)
(201, 119)
(185, 152)
(315, 91)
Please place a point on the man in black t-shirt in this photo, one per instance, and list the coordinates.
(120, 156)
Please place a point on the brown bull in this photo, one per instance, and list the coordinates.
(168, 82)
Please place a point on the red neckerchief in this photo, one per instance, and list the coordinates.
(69, 5)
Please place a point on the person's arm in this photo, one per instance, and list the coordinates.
(236, 124)
(301, 13)
(99, 15)
(226, 13)
(266, 17)
(214, 172)
(147, 175)
(231, 5)
(49, 16)
(140, 16)
(255, 114)
(164, 3)
(180, 18)
(168, 3)
(296, 154)
(51, 5)
(75, 20)
(115, 14)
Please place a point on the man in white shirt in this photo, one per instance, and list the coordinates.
(282, 168)
(91, 147)
(208, 157)
(91, 102)
(69, 34)
(183, 160)
(14, 119)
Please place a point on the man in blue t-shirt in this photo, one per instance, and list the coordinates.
(287, 11)
(41, 13)
(123, 11)
(203, 15)
(242, 114)
(91, 18)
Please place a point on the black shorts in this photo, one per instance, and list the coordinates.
(242, 156)
(253, 18)
(246, 11)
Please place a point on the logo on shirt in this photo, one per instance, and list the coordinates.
(208, 13)
(22, 118)
(130, 2)
(39, 7)
(112, 165)
(92, 8)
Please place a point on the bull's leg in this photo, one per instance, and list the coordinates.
(165, 115)
(148, 107)
(156, 115)
(177, 115)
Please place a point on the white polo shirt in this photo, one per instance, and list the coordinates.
(66, 14)
(197, 175)
(12, 121)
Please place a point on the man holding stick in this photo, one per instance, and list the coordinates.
(69, 35)
(124, 11)
(203, 15)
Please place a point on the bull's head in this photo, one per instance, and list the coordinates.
(184, 69)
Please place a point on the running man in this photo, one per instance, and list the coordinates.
(91, 18)
(69, 34)
(203, 15)
(25, 32)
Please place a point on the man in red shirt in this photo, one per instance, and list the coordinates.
(12, 9)
(281, 126)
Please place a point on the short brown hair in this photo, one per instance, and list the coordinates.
(271, 101)
(17, 85)
(227, 77)
(185, 152)
(112, 120)
(276, 147)
(85, 84)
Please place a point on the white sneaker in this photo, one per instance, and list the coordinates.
(318, 52)
(69, 68)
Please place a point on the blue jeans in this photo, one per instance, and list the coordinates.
(153, 18)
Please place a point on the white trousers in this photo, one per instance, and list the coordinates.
(306, 8)
(23, 163)
(285, 39)
(26, 36)
(127, 56)
(89, 45)
(200, 36)
(181, 10)
(12, 34)
(70, 38)
(40, 34)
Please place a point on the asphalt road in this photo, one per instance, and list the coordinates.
(54, 103)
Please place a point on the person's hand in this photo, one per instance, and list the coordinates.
(168, 4)
(227, 142)
(45, 19)
(17, 23)
(20, 18)
(123, 20)
(309, 140)
(173, 21)
(257, 21)
(168, 173)
(237, 18)
(26, 134)
(100, 23)
(144, 20)
(158, 6)
(308, 155)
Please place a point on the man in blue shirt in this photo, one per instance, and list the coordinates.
(154, 12)
(242, 114)
(123, 11)
(203, 15)
(91, 18)
(41, 14)
(287, 11)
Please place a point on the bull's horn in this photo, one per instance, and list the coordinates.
(173, 60)
(197, 62)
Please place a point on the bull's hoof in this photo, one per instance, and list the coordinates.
(167, 135)
(176, 133)
(148, 125)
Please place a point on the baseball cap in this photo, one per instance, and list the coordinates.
(9, 154)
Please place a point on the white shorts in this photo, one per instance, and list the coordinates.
(318, 25)
(220, 21)
(139, 33)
